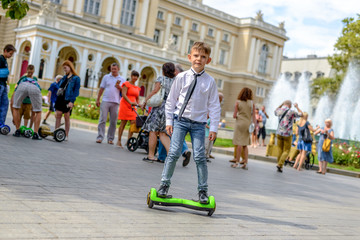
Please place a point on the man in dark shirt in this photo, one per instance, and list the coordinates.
(4, 73)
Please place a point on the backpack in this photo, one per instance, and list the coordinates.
(306, 135)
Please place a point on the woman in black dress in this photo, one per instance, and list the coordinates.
(70, 84)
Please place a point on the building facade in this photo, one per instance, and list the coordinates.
(142, 35)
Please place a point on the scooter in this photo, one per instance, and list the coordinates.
(26, 132)
(169, 201)
(4, 129)
(59, 134)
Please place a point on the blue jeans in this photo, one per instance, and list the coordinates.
(4, 103)
(197, 134)
(162, 150)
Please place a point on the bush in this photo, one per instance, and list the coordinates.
(346, 154)
(90, 110)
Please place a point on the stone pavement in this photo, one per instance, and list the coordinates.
(83, 190)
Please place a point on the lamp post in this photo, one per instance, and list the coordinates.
(94, 77)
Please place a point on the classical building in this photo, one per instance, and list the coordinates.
(142, 35)
(314, 65)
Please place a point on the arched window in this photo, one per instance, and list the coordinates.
(263, 59)
(128, 12)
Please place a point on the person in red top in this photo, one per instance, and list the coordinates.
(130, 98)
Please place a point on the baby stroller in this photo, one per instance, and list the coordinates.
(142, 139)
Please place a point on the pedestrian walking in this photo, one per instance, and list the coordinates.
(111, 88)
(130, 98)
(284, 131)
(69, 87)
(244, 114)
(262, 128)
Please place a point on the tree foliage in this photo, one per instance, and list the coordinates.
(347, 46)
(323, 85)
(15, 9)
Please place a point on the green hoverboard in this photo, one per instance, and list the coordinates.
(153, 199)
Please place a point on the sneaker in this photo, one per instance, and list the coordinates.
(187, 156)
(211, 156)
(203, 197)
(279, 169)
(17, 133)
(163, 191)
(208, 160)
(36, 136)
(44, 122)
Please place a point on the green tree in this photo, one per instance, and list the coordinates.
(15, 9)
(347, 49)
(347, 46)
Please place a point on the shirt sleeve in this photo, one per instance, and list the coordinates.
(279, 112)
(103, 82)
(172, 100)
(214, 108)
(160, 80)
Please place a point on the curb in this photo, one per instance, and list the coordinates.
(86, 126)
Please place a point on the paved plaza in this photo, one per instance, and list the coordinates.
(83, 190)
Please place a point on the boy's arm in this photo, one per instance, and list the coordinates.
(214, 109)
(172, 100)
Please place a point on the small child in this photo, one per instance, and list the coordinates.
(208, 143)
(192, 96)
(52, 97)
(4, 73)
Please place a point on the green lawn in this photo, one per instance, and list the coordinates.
(348, 168)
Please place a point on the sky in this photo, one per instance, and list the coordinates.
(313, 26)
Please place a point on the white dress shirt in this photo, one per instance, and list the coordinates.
(204, 99)
(111, 93)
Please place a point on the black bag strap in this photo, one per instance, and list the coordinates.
(68, 82)
(282, 116)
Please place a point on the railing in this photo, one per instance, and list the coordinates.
(233, 19)
(70, 27)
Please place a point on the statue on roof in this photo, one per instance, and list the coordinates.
(282, 25)
(259, 16)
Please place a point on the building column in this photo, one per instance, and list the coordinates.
(117, 13)
(251, 55)
(79, 8)
(168, 26)
(231, 53)
(97, 68)
(35, 53)
(278, 65)
(256, 55)
(14, 64)
(50, 67)
(83, 66)
(144, 16)
(109, 11)
(137, 68)
(274, 62)
(202, 33)
(183, 49)
(70, 6)
(124, 70)
(217, 49)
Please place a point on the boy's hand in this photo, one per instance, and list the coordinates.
(212, 136)
(169, 129)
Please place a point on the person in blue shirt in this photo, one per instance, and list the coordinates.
(52, 97)
(4, 73)
(262, 129)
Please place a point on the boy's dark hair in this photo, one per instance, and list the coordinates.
(30, 67)
(135, 73)
(169, 69)
(201, 46)
(9, 48)
(245, 94)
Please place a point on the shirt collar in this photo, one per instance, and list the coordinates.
(195, 73)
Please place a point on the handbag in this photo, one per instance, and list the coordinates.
(326, 144)
(157, 99)
(252, 124)
(306, 135)
(134, 128)
(61, 91)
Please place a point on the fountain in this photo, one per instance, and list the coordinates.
(347, 105)
(302, 96)
(323, 111)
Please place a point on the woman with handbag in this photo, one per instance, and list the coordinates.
(66, 95)
(245, 118)
(156, 122)
(130, 98)
(305, 140)
(325, 154)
